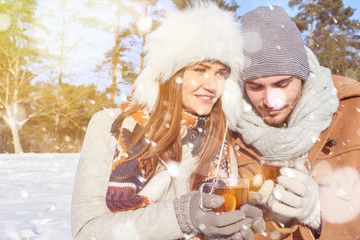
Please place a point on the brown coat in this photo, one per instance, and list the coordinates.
(335, 166)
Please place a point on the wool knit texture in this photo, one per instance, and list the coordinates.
(310, 117)
(272, 45)
(128, 177)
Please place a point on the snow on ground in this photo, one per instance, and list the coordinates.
(35, 195)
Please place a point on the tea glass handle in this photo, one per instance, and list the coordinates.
(201, 190)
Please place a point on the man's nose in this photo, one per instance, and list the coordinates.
(267, 99)
(274, 98)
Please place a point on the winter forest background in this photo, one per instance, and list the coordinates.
(63, 60)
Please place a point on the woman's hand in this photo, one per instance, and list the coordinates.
(239, 224)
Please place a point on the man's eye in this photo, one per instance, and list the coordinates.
(283, 85)
(256, 88)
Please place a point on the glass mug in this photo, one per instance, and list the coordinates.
(271, 165)
(235, 191)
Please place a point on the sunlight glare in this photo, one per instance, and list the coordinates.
(5, 21)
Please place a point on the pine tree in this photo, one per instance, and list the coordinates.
(124, 60)
(233, 6)
(333, 35)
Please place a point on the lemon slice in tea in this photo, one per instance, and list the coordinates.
(229, 204)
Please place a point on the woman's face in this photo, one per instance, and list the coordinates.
(203, 84)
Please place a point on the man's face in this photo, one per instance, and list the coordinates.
(203, 84)
(274, 97)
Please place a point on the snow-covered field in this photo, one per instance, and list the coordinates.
(35, 195)
(36, 189)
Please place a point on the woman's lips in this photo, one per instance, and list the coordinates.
(205, 98)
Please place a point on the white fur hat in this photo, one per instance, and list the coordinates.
(202, 32)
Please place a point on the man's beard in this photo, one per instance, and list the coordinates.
(276, 122)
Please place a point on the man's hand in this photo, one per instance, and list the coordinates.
(296, 196)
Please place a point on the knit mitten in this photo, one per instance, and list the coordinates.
(297, 196)
(262, 196)
(228, 225)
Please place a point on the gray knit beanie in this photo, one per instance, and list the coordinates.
(272, 45)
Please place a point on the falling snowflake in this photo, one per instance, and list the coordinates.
(179, 80)
(247, 107)
(144, 25)
(167, 116)
(172, 168)
(24, 194)
(276, 98)
(190, 145)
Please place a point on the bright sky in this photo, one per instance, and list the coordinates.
(248, 5)
(85, 46)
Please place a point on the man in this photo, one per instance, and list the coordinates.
(292, 105)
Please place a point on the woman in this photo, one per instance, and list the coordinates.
(139, 164)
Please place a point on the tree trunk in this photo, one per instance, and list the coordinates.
(142, 55)
(10, 118)
(16, 138)
(311, 41)
(62, 42)
(115, 59)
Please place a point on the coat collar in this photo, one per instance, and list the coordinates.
(346, 87)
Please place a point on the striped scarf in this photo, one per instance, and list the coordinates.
(134, 174)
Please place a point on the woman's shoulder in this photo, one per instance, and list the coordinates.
(109, 114)
(104, 118)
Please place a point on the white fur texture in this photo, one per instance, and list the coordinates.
(203, 32)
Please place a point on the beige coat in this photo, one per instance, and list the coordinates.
(90, 216)
(335, 167)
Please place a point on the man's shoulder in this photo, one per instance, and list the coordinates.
(346, 87)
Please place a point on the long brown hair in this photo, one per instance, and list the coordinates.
(163, 130)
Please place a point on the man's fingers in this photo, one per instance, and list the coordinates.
(284, 209)
(289, 198)
(292, 185)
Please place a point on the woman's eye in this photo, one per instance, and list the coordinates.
(201, 70)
